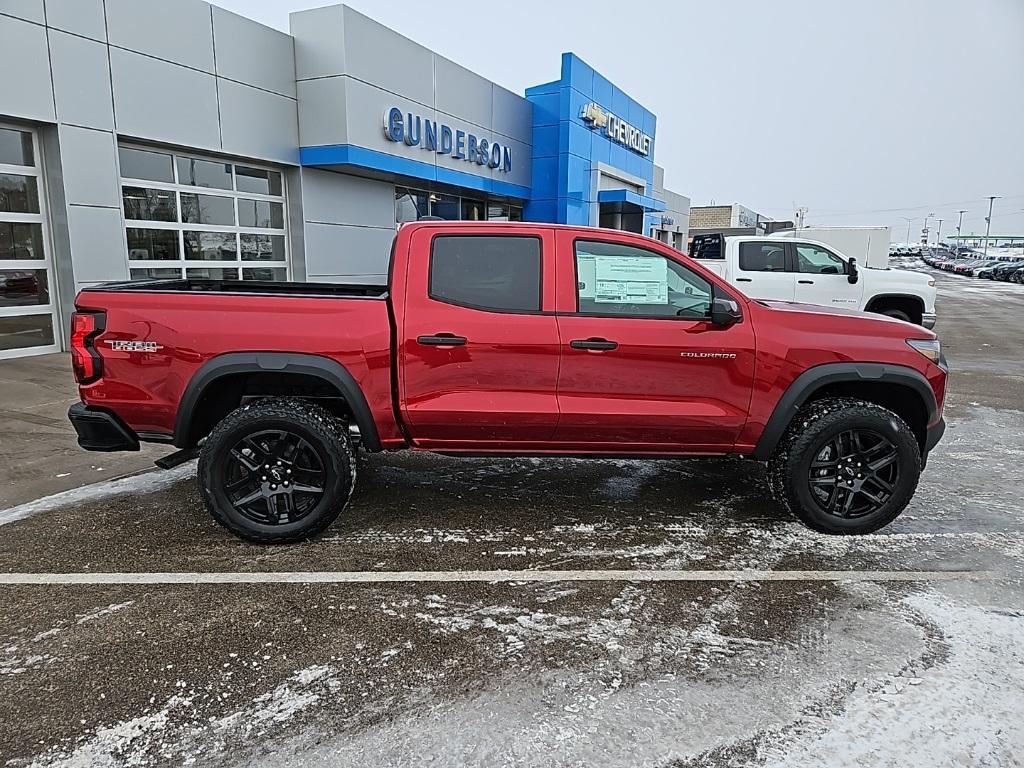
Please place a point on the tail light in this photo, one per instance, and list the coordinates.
(85, 358)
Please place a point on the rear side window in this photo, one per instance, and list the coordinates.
(500, 273)
(762, 257)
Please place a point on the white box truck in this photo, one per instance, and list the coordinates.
(868, 245)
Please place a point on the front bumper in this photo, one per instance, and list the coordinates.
(101, 431)
(928, 320)
(935, 432)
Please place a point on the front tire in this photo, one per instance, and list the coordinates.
(277, 471)
(845, 466)
(899, 314)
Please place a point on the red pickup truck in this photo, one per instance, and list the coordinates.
(505, 339)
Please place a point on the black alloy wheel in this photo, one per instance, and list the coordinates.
(273, 477)
(854, 474)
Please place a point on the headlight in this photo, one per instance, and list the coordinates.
(930, 348)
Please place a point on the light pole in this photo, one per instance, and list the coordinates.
(908, 220)
(938, 234)
(959, 222)
(988, 220)
(924, 231)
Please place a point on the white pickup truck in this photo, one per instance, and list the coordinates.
(794, 269)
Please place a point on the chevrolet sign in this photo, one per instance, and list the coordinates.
(616, 129)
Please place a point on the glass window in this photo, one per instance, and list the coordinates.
(149, 204)
(23, 331)
(487, 272)
(210, 246)
(207, 209)
(206, 273)
(23, 287)
(614, 279)
(258, 181)
(144, 164)
(16, 147)
(497, 212)
(515, 213)
(262, 248)
(410, 204)
(260, 213)
(21, 241)
(18, 194)
(204, 173)
(444, 206)
(762, 257)
(277, 274)
(472, 210)
(160, 273)
(153, 244)
(818, 261)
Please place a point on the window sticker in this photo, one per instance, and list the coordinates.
(623, 279)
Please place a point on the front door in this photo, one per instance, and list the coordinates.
(643, 369)
(823, 278)
(478, 352)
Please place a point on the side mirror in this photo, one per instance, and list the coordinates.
(725, 310)
(854, 275)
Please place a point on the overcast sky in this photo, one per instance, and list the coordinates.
(865, 112)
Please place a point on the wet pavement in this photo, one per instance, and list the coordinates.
(876, 670)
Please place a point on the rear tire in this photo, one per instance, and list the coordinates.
(845, 466)
(277, 471)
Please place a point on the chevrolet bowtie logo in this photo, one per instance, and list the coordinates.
(595, 115)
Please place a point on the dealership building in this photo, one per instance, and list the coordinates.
(143, 139)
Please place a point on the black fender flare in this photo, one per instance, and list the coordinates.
(813, 379)
(329, 370)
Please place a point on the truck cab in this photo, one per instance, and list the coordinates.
(814, 272)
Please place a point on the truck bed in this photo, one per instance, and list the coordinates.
(250, 287)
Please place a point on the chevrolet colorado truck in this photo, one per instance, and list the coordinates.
(787, 267)
(505, 339)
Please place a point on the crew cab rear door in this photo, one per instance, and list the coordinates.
(478, 340)
(643, 368)
(761, 269)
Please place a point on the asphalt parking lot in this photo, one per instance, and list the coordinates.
(731, 640)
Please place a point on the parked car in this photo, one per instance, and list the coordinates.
(1004, 270)
(505, 339)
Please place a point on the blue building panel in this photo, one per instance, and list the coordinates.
(583, 146)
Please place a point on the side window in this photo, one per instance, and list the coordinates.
(613, 279)
(499, 273)
(762, 257)
(818, 261)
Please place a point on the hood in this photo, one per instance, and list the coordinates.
(882, 324)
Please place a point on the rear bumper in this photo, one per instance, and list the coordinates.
(101, 431)
(928, 320)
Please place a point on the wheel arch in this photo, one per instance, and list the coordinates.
(327, 372)
(908, 302)
(902, 390)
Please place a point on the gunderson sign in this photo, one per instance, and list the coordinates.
(615, 128)
(417, 131)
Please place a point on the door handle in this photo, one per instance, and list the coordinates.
(806, 282)
(744, 280)
(594, 343)
(441, 340)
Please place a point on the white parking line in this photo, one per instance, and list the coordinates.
(390, 577)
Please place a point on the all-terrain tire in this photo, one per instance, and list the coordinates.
(325, 435)
(813, 428)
